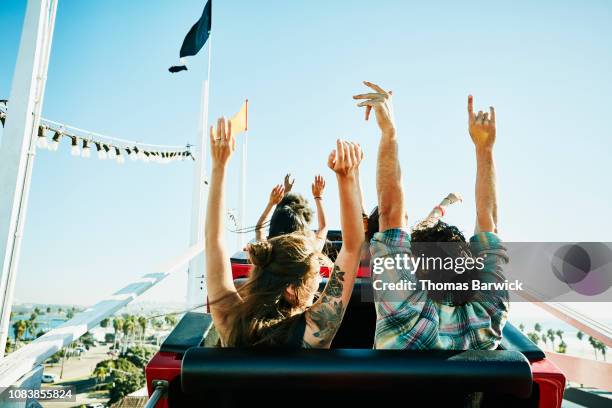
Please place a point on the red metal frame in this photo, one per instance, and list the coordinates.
(163, 366)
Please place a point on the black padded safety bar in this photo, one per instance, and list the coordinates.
(189, 332)
(229, 369)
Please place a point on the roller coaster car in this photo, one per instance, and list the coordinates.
(517, 374)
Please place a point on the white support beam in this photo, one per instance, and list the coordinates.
(22, 361)
(17, 149)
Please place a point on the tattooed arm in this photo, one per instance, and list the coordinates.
(324, 317)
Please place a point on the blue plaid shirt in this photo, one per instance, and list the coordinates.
(421, 323)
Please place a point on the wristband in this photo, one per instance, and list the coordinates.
(441, 209)
(318, 198)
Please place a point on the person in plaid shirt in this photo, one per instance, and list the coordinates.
(435, 319)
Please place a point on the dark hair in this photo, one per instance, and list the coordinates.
(292, 214)
(423, 245)
(373, 224)
(265, 317)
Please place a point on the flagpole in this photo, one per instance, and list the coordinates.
(242, 186)
(196, 273)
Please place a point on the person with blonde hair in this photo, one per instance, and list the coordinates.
(278, 305)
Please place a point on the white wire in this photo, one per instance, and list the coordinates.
(128, 143)
(86, 134)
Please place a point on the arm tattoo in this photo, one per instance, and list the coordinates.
(327, 315)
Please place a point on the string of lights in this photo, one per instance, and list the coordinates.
(51, 134)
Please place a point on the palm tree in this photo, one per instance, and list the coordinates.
(100, 373)
(20, 327)
(104, 323)
(128, 327)
(550, 333)
(580, 335)
(537, 327)
(594, 344)
(603, 348)
(562, 347)
(142, 322)
(32, 325)
(522, 327)
(117, 325)
(48, 310)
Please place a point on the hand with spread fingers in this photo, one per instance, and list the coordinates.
(345, 159)
(288, 183)
(318, 186)
(277, 194)
(380, 101)
(222, 144)
(481, 126)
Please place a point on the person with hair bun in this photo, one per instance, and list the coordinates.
(278, 306)
(292, 213)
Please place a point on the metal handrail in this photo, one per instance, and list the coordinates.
(160, 389)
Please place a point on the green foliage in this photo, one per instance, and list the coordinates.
(105, 322)
(534, 337)
(562, 347)
(537, 327)
(123, 377)
(139, 356)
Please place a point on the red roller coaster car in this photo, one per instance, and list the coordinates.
(517, 374)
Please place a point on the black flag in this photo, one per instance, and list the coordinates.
(195, 38)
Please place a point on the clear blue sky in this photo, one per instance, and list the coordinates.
(93, 225)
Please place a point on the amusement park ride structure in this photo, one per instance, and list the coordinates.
(23, 367)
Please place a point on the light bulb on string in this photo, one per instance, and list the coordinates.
(75, 150)
(85, 151)
(134, 154)
(142, 156)
(146, 156)
(55, 141)
(120, 158)
(41, 142)
(105, 151)
(101, 152)
(112, 154)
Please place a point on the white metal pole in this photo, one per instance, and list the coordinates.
(242, 193)
(18, 146)
(196, 274)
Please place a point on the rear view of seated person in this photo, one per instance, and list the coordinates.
(420, 318)
(276, 307)
(292, 212)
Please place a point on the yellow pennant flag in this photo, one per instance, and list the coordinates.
(240, 121)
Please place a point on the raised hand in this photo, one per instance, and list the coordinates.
(380, 101)
(345, 159)
(277, 194)
(288, 183)
(223, 144)
(481, 126)
(318, 186)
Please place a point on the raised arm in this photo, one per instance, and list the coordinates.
(275, 197)
(482, 132)
(318, 186)
(391, 207)
(324, 317)
(222, 294)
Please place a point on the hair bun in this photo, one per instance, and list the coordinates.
(260, 253)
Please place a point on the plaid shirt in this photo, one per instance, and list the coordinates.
(421, 323)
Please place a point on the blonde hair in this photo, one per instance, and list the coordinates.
(264, 315)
